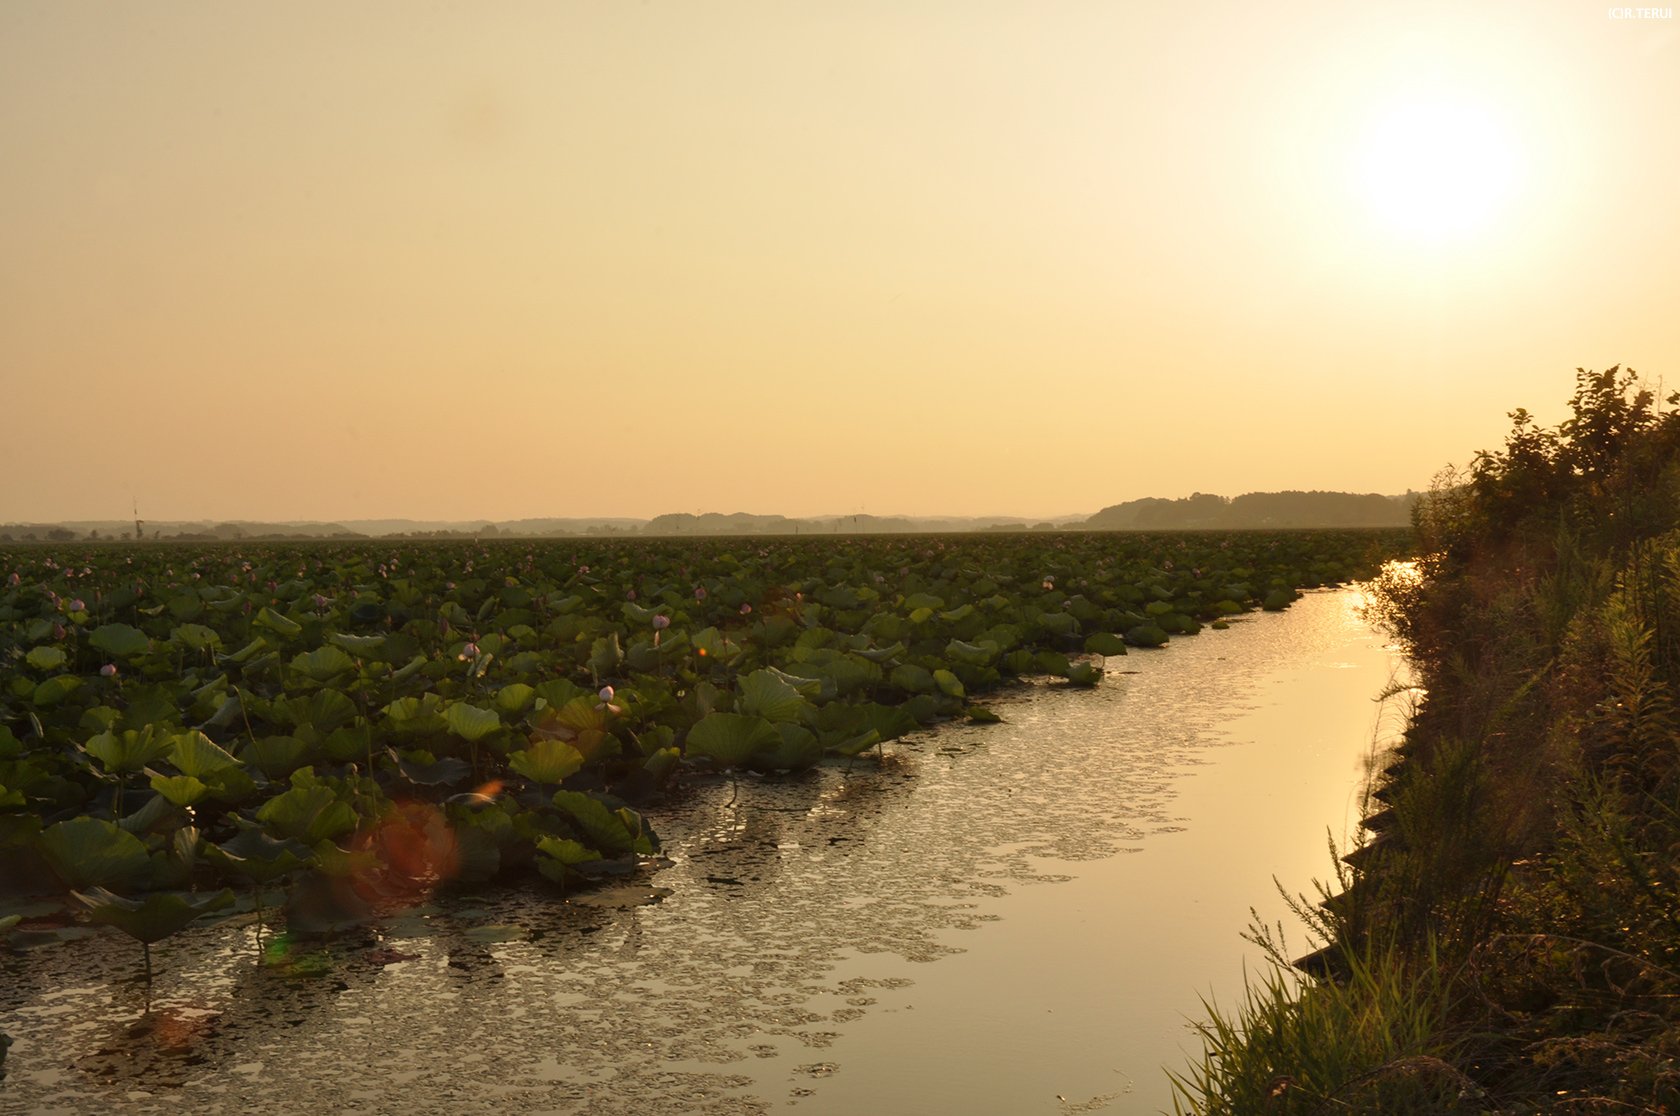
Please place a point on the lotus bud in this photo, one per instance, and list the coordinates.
(700, 592)
(58, 631)
(449, 585)
(13, 580)
(630, 595)
(583, 569)
(78, 605)
(1167, 565)
(746, 608)
(109, 670)
(443, 627)
(660, 623)
(606, 693)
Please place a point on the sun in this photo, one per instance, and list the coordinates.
(1438, 168)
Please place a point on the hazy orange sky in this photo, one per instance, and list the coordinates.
(317, 261)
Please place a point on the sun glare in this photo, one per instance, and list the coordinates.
(1437, 169)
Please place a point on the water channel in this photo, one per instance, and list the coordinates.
(1002, 919)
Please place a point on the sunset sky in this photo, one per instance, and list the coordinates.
(318, 261)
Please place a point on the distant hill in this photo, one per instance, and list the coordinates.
(1202, 511)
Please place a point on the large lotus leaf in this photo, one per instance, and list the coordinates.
(1105, 643)
(731, 739)
(158, 916)
(566, 851)
(1058, 623)
(974, 654)
(882, 654)
(948, 683)
(1052, 662)
(559, 691)
(856, 745)
(259, 857)
(600, 824)
(197, 755)
(1158, 608)
(283, 626)
(470, 722)
(307, 814)
(445, 772)
(712, 644)
(196, 637)
(917, 601)
(771, 697)
(1146, 635)
(962, 612)
(797, 750)
(323, 664)
(363, 647)
(1179, 624)
(45, 658)
(636, 614)
(277, 756)
(10, 746)
(581, 714)
(546, 761)
(515, 699)
(88, 852)
(887, 720)
(921, 616)
(128, 751)
(915, 679)
(180, 790)
(326, 709)
(807, 687)
(55, 690)
(119, 641)
(605, 655)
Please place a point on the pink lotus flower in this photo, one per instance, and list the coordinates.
(630, 596)
(583, 569)
(78, 605)
(1167, 565)
(699, 592)
(606, 693)
(449, 585)
(58, 631)
(109, 670)
(660, 623)
(746, 608)
(470, 651)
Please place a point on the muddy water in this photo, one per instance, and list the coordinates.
(1009, 918)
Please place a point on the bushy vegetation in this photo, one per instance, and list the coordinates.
(1523, 884)
(370, 719)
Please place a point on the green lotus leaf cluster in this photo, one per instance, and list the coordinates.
(255, 712)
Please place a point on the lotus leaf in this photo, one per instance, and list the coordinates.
(797, 750)
(277, 756)
(323, 664)
(1278, 600)
(981, 715)
(856, 745)
(180, 790)
(87, 852)
(259, 858)
(119, 641)
(546, 761)
(150, 920)
(607, 829)
(605, 655)
(1058, 623)
(196, 637)
(469, 722)
(712, 644)
(975, 654)
(55, 690)
(1105, 643)
(45, 658)
(127, 752)
(882, 654)
(283, 626)
(307, 814)
(771, 697)
(915, 602)
(363, 647)
(445, 772)
(915, 679)
(515, 699)
(325, 709)
(730, 739)
(196, 755)
(1146, 635)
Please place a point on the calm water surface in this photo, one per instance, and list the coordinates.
(1012, 918)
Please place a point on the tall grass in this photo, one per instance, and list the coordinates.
(1378, 1041)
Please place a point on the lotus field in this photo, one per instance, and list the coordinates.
(357, 723)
